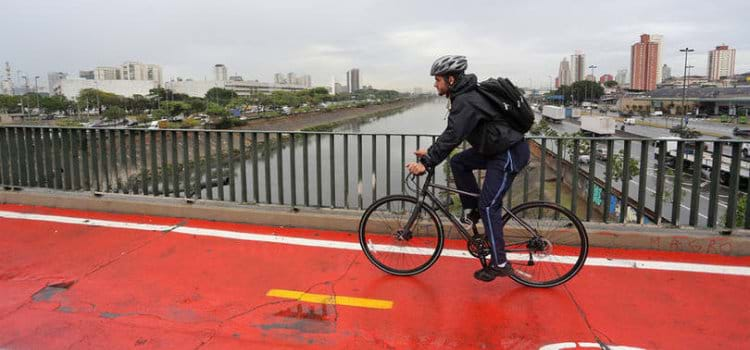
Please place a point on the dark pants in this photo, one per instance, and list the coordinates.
(501, 170)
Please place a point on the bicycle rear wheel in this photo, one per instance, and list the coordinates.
(545, 243)
(387, 245)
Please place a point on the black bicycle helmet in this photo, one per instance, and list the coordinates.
(449, 64)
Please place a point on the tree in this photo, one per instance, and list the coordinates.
(52, 104)
(611, 84)
(215, 110)
(220, 96)
(10, 104)
(175, 108)
(114, 113)
(586, 90)
(96, 98)
(197, 104)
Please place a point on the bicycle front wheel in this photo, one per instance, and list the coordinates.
(386, 243)
(545, 243)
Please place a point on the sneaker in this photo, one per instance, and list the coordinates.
(489, 273)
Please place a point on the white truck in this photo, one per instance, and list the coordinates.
(553, 113)
(598, 126)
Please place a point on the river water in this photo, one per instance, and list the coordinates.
(367, 162)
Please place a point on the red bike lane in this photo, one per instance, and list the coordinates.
(83, 279)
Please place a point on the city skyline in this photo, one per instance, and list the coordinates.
(396, 53)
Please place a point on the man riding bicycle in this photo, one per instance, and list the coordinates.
(496, 147)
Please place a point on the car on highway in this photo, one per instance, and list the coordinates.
(741, 132)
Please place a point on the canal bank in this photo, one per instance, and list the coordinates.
(318, 121)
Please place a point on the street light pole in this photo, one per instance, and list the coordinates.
(684, 83)
(592, 67)
(36, 91)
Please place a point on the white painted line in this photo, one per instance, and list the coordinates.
(83, 221)
(320, 243)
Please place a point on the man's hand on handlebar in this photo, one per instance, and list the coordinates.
(416, 168)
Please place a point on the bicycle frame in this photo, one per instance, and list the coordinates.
(425, 193)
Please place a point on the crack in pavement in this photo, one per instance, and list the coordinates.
(331, 282)
(586, 321)
(97, 268)
(124, 254)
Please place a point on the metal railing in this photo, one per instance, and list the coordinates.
(676, 182)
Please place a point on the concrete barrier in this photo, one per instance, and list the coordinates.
(629, 236)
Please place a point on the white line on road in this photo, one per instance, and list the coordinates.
(267, 238)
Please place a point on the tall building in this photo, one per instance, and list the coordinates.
(590, 77)
(666, 73)
(220, 72)
(352, 79)
(605, 78)
(721, 63)
(578, 69)
(557, 83)
(86, 74)
(279, 78)
(563, 74)
(140, 71)
(622, 77)
(7, 84)
(644, 58)
(659, 40)
(305, 81)
(107, 73)
(53, 79)
(291, 78)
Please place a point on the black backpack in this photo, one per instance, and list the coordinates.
(510, 102)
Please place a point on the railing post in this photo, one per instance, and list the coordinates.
(305, 170)
(207, 155)
(5, 177)
(124, 160)
(133, 160)
(625, 187)
(608, 178)
(677, 188)
(318, 171)
(220, 165)
(542, 180)
(713, 197)
(115, 176)
(346, 171)
(695, 190)
(359, 171)
(280, 165)
(374, 168)
(175, 166)
(186, 164)
(331, 161)
(197, 191)
(592, 180)
(642, 181)
(574, 180)
(734, 182)
(661, 170)
(558, 179)
(230, 159)
(243, 169)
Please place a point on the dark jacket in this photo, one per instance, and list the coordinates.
(472, 118)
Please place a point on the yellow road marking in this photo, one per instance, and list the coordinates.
(330, 299)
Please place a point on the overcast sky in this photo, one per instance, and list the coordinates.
(392, 42)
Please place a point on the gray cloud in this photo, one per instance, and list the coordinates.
(392, 42)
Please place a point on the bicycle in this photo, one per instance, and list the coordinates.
(396, 233)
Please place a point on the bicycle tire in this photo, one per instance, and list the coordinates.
(552, 262)
(375, 255)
